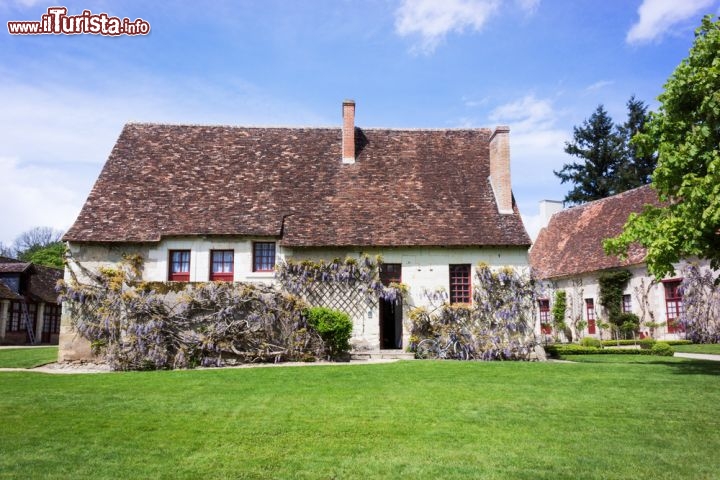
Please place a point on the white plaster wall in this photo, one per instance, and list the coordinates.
(423, 269)
(656, 297)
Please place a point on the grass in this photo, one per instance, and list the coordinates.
(644, 359)
(27, 357)
(712, 348)
(419, 419)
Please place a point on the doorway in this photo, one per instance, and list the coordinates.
(390, 312)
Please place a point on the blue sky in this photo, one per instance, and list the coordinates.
(539, 66)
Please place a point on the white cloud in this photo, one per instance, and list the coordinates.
(38, 195)
(525, 114)
(657, 17)
(529, 6)
(598, 85)
(432, 19)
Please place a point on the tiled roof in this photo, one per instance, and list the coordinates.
(43, 282)
(407, 187)
(13, 266)
(571, 243)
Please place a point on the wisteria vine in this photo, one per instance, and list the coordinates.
(497, 326)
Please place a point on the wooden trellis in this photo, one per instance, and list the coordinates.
(348, 299)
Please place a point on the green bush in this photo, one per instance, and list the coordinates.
(647, 343)
(591, 342)
(662, 349)
(614, 343)
(334, 327)
(558, 351)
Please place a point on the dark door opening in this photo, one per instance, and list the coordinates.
(390, 312)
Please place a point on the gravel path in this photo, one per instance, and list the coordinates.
(61, 368)
(698, 356)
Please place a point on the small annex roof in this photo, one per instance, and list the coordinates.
(571, 243)
(38, 282)
(407, 188)
(43, 283)
(10, 265)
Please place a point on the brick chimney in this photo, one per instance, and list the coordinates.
(500, 168)
(348, 132)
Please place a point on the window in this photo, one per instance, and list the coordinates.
(15, 323)
(460, 291)
(221, 265)
(627, 304)
(545, 326)
(263, 256)
(52, 319)
(590, 311)
(673, 304)
(179, 266)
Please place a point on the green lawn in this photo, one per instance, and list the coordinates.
(27, 357)
(713, 348)
(416, 419)
(645, 359)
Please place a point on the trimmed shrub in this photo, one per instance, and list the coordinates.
(558, 351)
(591, 342)
(662, 349)
(647, 343)
(334, 327)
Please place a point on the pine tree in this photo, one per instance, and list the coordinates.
(599, 145)
(635, 167)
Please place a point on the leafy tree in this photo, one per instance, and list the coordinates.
(685, 132)
(41, 245)
(635, 167)
(51, 255)
(600, 147)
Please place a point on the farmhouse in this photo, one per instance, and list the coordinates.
(29, 310)
(220, 203)
(569, 256)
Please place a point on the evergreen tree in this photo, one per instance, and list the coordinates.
(635, 167)
(599, 145)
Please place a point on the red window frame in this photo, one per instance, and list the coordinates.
(545, 326)
(222, 265)
(263, 256)
(627, 303)
(590, 314)
(460, 284)
(179, 266)
(673, 304)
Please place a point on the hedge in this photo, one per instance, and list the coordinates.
(614, 343)
(556, 351)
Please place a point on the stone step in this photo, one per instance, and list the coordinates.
(382, 354)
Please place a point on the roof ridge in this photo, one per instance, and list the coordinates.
(309, 127)
(599, 200)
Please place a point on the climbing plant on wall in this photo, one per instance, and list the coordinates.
(558, 309)
(497, 326)
(138, 325)
(612, 285)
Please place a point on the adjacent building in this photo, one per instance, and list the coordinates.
(568, 255)
(29, 310)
